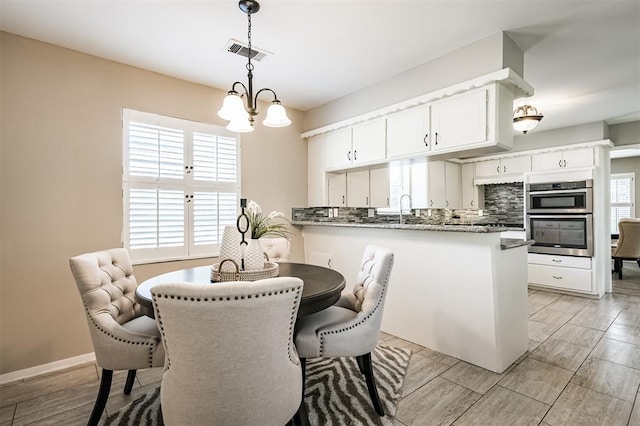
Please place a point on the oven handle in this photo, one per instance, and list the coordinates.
(561, 191)
(559, 216)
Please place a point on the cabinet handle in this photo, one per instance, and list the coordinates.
(436, 138)
(565, 163)
(504, 169)
(387, 201)
(355, 155)
(430, 203)
(556, 260)
(343, 199)
(557, 278)
(471, 203)
(426, 135)
(349, 155)
(498, 169)
(329, 264)
(559, 163)
(447, 201)
(366, 201)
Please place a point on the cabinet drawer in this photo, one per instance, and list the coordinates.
(566, 261)
(559, 277)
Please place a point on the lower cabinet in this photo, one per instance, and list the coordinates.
(472, 194)
(337, 189)
(362, 188)
(358, 189)
(443, 185)
(561, 272)
(379, 187)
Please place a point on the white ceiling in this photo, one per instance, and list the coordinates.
(582, 57)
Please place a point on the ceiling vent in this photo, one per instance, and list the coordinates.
(239, 48)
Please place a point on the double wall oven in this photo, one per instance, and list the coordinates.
(560, 217)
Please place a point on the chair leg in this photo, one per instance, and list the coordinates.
(360, 364)
(131, 377)
(101, 400)
(301, 417)
(371, 383)
(303, 367)
(619, 268)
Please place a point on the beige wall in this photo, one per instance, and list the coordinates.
(60, 180)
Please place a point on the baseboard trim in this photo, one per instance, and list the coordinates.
(47, 368)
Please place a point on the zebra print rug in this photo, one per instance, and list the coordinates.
(335, 392)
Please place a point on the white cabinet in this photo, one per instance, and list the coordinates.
(361, 144)
(459, 120)
(316, 180)
(379, 187)
(443, 185)
(358, 189)
(369, 142)
(504, 166)
(472, 194)
(337, 189)
(561, 272)
(408, 133)
(556, 160)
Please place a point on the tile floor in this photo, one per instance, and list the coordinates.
(582, 368)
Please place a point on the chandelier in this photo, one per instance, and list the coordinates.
(233, 109)
(526, 118)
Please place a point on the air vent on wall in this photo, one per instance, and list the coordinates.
(239, 48)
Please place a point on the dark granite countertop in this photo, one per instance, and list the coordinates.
(478, 229)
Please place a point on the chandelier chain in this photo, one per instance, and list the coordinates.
(249, 64)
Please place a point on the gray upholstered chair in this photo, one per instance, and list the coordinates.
(230, 352)
(628, 247)
(351, 327)
(277, 249)
(123, 337)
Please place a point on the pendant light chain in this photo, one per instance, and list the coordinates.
(249, 64)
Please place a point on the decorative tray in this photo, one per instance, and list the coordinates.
(270, 270)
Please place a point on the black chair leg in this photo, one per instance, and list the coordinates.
(131, 377)
(371, 383)
(303, 367)
(618, 264)
(301, 417)
(101, 400)
(360, 364)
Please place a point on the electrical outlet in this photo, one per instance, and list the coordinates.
(429, 212)
(480, 213)
(330, 213)
(335, 212)
(371, 213)
(417, 212)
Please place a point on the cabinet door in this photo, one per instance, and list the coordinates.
(515, 165)
(358, 189)
(338, 148)
(582, 157)
(436, 184)
(546, 161)
(488, 168)
(460, 120)
(337, 189)
(369, 142)
(379, 187)
(468, 189)
(408, 132)
(452, 185)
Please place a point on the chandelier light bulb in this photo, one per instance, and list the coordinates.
(240, 125)
(232, 107)
(276, 116)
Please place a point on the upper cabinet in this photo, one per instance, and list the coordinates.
(358, 145)
(379, 187)
(504, 166)
(460, 120)
(408, 133)
(443, 185)
(556, 160)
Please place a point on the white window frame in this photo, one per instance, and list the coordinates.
(614, 218)
(187, 184)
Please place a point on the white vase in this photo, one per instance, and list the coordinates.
(253, 256)
(230, 247)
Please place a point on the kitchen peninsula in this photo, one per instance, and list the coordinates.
(460, 290)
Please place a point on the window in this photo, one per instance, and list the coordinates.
(181, 185)
(406, 179)
(622, 198)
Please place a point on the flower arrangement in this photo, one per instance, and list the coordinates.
(262, 226)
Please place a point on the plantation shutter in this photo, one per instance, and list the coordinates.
(180, 186)
(622, 198)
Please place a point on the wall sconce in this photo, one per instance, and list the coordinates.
(526, 118)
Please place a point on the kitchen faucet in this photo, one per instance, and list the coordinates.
(401, 197)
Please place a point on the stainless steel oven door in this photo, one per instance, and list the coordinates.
(560, 201)
(570, 235)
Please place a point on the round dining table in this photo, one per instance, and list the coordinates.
(322, 286)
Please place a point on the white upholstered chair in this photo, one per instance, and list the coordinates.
(123, 337)
(230, 353)
(277, 249)
(351, 327)
(628, 247)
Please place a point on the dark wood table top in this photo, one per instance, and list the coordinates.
(322, 286)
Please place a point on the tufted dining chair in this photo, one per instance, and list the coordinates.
(277, 249)
(628, 247)
(123, 338)
(230, 353)
(351, 326)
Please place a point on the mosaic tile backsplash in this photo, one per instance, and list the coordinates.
(503, 204)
